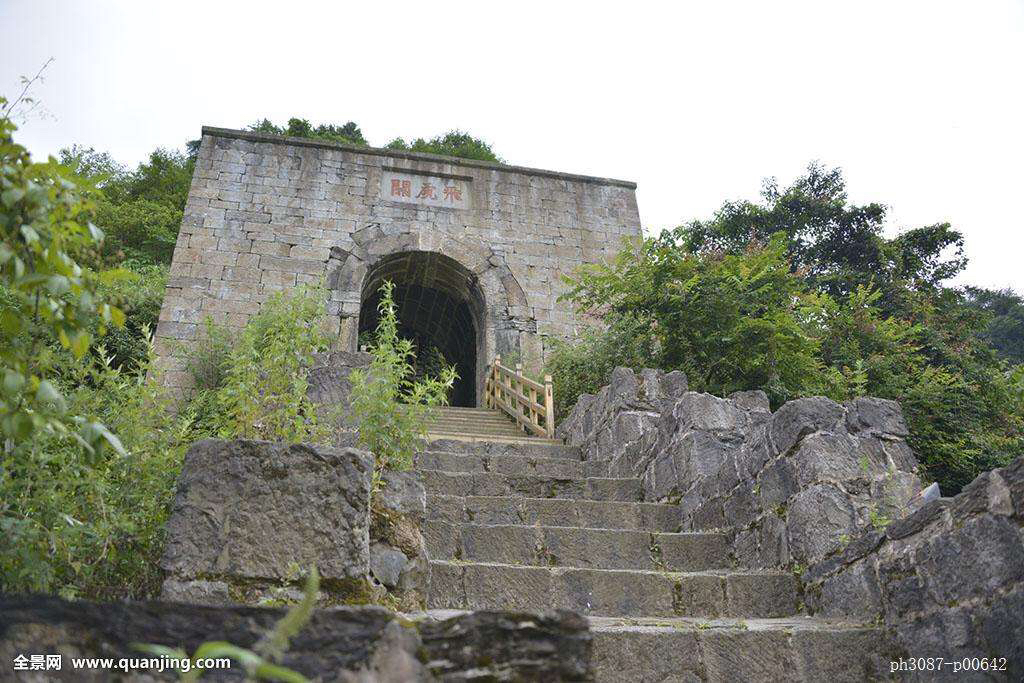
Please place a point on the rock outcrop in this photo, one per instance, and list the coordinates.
(349, 644)
(948, 579)
(791, 484)
(250, 517)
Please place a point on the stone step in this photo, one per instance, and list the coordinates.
(612, 592)
(481, 433)
(560, 546)
(803, 649)
(595, 514)
(474, 417)
(509, 464)
(530, 486)
(524, 445)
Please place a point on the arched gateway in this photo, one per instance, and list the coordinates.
(463, 301)
(476, 250)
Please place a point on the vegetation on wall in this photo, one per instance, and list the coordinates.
(389, 402)
(454, 143)
(802, 294)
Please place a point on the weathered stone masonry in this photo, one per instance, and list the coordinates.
(266, 213)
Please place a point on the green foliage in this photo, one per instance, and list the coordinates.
(45, 295)
(583, 367)
(140, 294)
(262, 661)
(389, 405)
(728, 320)
(348, 133)
(834, 244)
(803, 295)
(1004, 328)
(90, 523)
(454, 143)
(141, 210)
(140, 233)
(262, 388)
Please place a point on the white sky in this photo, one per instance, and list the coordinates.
(920, 103)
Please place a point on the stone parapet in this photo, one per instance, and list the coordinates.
(948, 579)
(791, 485)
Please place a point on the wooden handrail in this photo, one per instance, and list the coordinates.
(517, 396)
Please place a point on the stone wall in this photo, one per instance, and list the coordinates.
(250, 517)
(792, 484)
(339, 644)
(266, 213)
(948, 579)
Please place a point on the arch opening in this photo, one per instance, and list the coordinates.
(440, 309)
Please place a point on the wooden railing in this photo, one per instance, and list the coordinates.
(517, 395)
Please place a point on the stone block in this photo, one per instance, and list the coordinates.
(761, 594)
(816, 518)
(737, 655)
(504, 544)
(597, 548)
(842, 655)
(801, 417)
(506, 587)
(996, 554)
(613, 593)
(253, 509)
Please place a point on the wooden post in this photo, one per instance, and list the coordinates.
(549, 407)
(494, 381)
(522, 390)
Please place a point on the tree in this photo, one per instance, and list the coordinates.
(454, 143)
(348, 133)
(837, 245)
(803, 294)
(1004, 328)
(730, 321)
(45, 294)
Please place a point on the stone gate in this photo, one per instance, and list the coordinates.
(476, 250)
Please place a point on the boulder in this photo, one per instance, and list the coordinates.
(348, 644)
(254, 514)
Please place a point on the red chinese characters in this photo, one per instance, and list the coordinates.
(436, 191)
(453, 193)
(401, 188)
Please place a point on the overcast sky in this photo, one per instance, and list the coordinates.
(920, 103)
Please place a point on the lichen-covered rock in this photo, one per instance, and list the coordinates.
(791, 483)
(948, 578)
(398, 554)
(253, 514)
(346, 644)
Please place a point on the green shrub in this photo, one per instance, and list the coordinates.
(730, 321)
(389, 405)
(743, 320)
(583, 367)
(261, 381)
(90, 523)
(46, 296)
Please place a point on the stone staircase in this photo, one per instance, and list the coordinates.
(469, 424)
(519, 523)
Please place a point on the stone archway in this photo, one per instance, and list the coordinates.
(440, 308)
(463, 271)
